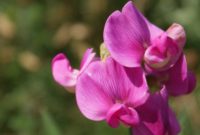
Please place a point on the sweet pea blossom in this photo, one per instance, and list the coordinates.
(132, 39)
(108, 91)
(165, 48)
(64, 74)
(135, 42)
(116, 88)
(157, 118)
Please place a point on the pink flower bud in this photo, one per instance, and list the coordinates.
(177, 33)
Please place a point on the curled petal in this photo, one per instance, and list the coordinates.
(177, 33)
(87, 59)
(126, 36)
(63, 72)
(163, 54)
(131, 118)
(120, 113)
(113, 114)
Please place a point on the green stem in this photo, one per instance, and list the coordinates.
(130, 131)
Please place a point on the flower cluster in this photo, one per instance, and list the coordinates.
(137, 56)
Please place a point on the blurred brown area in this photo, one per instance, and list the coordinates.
(32, 32)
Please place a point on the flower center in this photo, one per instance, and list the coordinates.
(155, 82)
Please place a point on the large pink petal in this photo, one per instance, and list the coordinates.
(138, 79)
(127, 85)
(63, 72)
(126, 36)
(92, 101)
(138, 24)
(102, 85)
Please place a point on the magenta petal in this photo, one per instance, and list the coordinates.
(141, 129)
(154, 30)
(137, 22)
(102, 85)
(112, 115)
(177, 83)
(86, 60)
(63, 72)
(170, 126)
(174, 127)
(191, 82)
(126, 35)
(154, 104)
(91, 98)
(163, 53)
(120, 113)
(138, 79)
(131, 118)
(156, 116)
(120, 87)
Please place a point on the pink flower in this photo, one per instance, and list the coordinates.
(133, 42)
(156, 116)
(131, 39)
(115, 89)
(64, 74)
(166, 47)
(126, 36)
(108, 91)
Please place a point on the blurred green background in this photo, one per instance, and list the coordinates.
(32, 32)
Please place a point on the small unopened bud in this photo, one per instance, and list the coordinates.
(163, 53)
(177, 33)
(104, 53)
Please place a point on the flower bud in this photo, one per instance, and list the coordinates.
(177, 33)
(162, 54)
